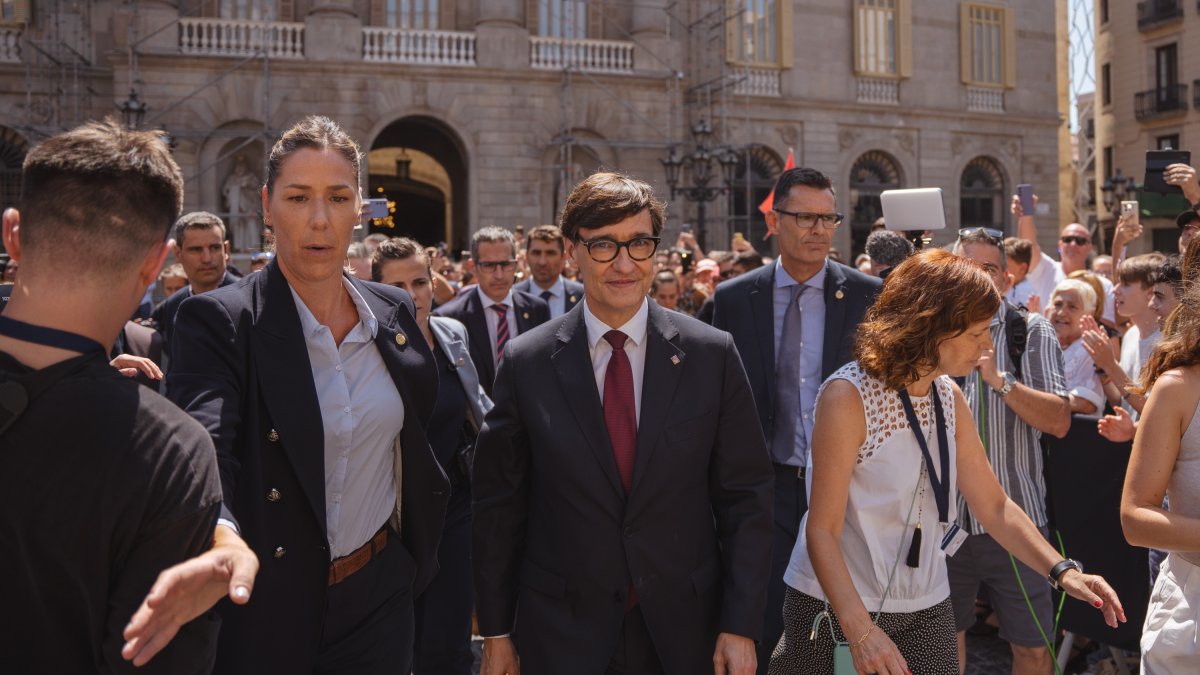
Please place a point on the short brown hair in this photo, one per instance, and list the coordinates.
(1020, 250)
(397, 248)
(197, 220)
(318, 133)
(1140, 269)
(926, 300)
(604, 199)
(548, 233)
(100, 195)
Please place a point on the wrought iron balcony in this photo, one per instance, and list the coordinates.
(1171, 100)
(1154, 13)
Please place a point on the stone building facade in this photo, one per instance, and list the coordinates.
(481, 112)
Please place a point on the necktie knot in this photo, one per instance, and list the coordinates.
(500, 307)
(546, 295)
(616, 338)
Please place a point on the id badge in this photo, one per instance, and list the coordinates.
(953, 539)
(843, 661)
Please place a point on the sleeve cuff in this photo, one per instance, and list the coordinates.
(230, 524)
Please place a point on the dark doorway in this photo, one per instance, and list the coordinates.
(872, 173)
(420, 166)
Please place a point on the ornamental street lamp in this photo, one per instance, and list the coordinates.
(1115, 189)
(133, 110)
(699, 165)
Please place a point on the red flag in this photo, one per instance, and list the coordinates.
(769, 203)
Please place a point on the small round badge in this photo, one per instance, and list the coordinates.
(839, 295)
(401, 339)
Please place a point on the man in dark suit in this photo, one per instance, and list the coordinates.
(793, 323)
(494, 312)
(544, 253)
(622, 489)
(202, 249)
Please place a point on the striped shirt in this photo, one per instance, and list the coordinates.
(1013, 446)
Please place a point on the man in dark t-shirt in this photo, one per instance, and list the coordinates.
(104, 484)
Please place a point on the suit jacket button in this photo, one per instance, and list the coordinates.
(273, 436)
(273, 495)
(628, 532)
(280, 552)
(619, 596)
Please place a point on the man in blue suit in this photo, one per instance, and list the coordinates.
(793, 323)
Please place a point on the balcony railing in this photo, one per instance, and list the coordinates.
(236, 37)
(752, 81)
(984, 99)
(1170, 100)
(10, 44)
(1153, 13)
(420, 47)
(878, 90)
(592, 56)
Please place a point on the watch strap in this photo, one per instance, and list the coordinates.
(1060, 569)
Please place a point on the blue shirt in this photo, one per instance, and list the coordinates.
(812, 330)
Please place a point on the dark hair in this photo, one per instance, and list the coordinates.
(664, 277)
(801, 176)
(604, 199)
(196, 220)
(396, 248)
(979, 236)
(1170, 271)
(492, 235)
(547, 233)
(933, 296)
(1180, 345)
(888, 249)
(1020, 250)
(318, 133)
(1139, 269)
(99, 195)
(748, 260)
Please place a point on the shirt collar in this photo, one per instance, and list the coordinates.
(488, 302)
(784, 280)
(635, 328)
(310, 325)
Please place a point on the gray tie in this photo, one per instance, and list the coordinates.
(787, 383)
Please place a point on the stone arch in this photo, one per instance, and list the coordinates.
(757, 170)
(872, 172)
(982, 188)
(216, 160)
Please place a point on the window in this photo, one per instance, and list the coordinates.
(415, 14)
(882, 38)
(1168, 142)
(988, 43)
(562, 19)
(871, 174)
(1103, 11)
(750, 188)
(1108, 161)
(1106, 84)
(759, 32)
(981, 195)
(1166, 66)
(255, 10)
(14, 11)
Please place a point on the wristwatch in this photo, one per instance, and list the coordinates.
(1009, 381)
(1060, 569)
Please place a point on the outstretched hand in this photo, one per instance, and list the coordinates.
(1095, 591)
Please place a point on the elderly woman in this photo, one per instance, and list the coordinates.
(317, 388)
(1071, 301)
(892, 442)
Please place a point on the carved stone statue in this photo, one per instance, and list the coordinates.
(241, 192)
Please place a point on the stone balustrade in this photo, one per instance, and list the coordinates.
(238, 37)
(421, 47)
(591, 56)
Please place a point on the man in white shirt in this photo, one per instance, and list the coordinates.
(1044, 273)
(544, 255)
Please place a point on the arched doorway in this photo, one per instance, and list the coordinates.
(872, 173)
(757, 170)
(981, 195)
(12, 155)
(418, 164)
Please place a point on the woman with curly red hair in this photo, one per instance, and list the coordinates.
(892, 441)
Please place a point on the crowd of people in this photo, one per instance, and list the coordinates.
(601, 454)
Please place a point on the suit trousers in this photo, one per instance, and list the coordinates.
(635, 653)
(369, 617)
(443, 610)
(791, 503)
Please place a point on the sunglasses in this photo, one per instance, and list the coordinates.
(995, 235)
(1077, 240)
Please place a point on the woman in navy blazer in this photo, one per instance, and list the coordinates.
(443, 611)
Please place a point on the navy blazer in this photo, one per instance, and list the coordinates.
(745, 306)
(164, 314)
(573, 289)
(530, 310)
(241, 368)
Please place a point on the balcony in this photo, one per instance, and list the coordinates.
(10, 44)
(1196, 94)
(753, 81)
(879, 91)
(985, 99)
(418, 47)
(1170, 100)
(236, 37)
(1154, 13)
(590, 56)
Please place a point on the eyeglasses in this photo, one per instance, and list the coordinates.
(604, 250)
(806, 220)
(492, 266)
(1077, 240)
(995, 235)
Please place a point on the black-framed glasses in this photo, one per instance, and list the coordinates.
(806, 220)
(492, 266)
(604, 249)
(1075, 239)
(995, 235)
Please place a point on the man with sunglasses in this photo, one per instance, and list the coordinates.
(622, 513)
(1074, 248)
(494, 313)
(793, 323)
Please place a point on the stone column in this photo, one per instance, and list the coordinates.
(333, 31)
(502, 35)
(152, 15)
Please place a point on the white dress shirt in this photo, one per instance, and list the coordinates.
(361, 415)
(635, 348)
(493, 320)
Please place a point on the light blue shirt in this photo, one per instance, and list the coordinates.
(558, 296)
(361, 416)
(812, 330)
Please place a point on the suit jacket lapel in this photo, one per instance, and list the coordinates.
(573, 367)
(522, 308)
(835, 317)
(659, 379)
(762, 308)
(285, 378)
(477, 331)
(406, 355)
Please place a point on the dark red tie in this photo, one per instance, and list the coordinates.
(501, 329)
(620, 416)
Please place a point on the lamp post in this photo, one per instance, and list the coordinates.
(699, 165)
(133, 110)
(1115, 189)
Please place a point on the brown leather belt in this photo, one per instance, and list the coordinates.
(341, 568)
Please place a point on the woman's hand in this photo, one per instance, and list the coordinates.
(1097, 344)
(1095, 591)
(878, 654)
(1118, 427)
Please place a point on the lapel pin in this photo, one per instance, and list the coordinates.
(839, 295)
(401, 340)
(675, 360)
(525, 316)
(460, 361)
(573, 299)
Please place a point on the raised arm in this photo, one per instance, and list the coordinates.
(1027, 230)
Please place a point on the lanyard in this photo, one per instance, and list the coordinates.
(49, 337)
(941, 486)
